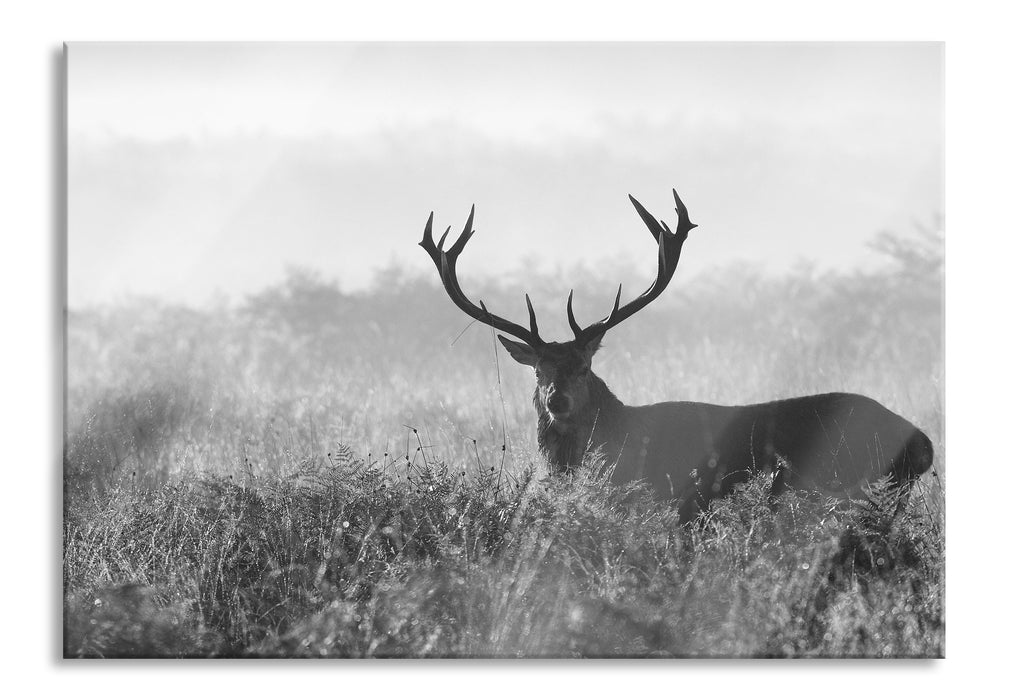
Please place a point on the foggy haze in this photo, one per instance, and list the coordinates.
(202, 170)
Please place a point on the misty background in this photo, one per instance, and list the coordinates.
(202, 172)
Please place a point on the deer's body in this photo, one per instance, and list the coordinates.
(692, 452)
(687, 451)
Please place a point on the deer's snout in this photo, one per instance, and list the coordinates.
(558, 403)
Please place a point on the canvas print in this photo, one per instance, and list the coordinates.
(550, 350)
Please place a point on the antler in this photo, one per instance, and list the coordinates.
(670, 244)
(445, 261)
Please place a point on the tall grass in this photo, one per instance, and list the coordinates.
(341, 559)
(313, 472)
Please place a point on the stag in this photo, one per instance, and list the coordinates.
(690, 452)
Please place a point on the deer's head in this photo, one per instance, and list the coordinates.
(563, 373)
(563, 370)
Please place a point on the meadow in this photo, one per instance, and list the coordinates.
(313, 472)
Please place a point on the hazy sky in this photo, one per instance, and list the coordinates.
(202, 169)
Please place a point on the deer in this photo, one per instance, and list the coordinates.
(688, 452)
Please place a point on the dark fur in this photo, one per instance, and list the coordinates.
(599, 423)
(693, 452)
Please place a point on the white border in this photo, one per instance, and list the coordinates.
(977, 158)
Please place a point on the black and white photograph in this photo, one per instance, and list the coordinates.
(504, 350)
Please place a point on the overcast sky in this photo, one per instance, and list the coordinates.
(198, 170)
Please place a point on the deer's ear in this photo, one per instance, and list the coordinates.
(522, 353)
(592, 345)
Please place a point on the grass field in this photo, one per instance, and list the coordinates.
(315, 473)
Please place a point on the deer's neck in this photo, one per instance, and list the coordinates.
(564, 443)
